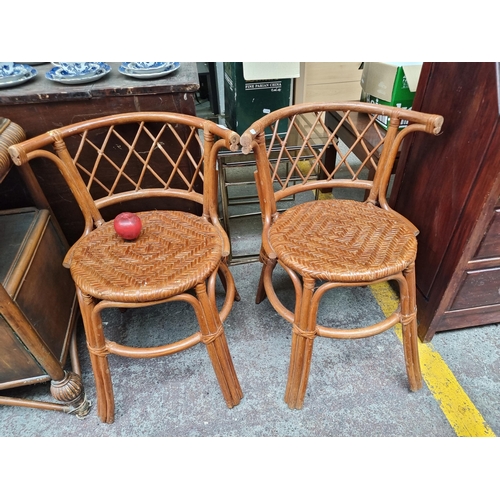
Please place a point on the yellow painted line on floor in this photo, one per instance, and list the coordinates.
(460, 411)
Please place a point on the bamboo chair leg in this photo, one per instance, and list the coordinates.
(303, 335)
(298, 372)
(261, 291)
(98, 358)
(267, 264)
(409, 327)
(223, 280)
(214, 338)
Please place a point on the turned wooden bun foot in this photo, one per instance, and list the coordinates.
(70, 391)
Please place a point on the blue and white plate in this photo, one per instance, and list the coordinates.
(70, 70)
(124, 70)
(21, 74)
(147, 67)
(95, 72)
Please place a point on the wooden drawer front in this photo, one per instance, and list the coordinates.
(480, 288)
(490, 246)
(32, 274)
(47, 293)
(16, 363)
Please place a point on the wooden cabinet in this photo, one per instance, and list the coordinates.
(32, 274)
(42, 105)
(449, 187)
(37, 300)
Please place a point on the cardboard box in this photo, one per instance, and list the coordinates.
(270, 70)
(252, 90)
(392, 84)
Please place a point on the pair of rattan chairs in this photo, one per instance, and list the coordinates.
(164, 167)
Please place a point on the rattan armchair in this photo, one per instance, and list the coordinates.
(334, 239)
(163, 167)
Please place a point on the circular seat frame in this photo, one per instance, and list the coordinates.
(185, 247)
(342, 240)
(314, 256)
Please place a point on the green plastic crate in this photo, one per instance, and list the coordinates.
(249, 100)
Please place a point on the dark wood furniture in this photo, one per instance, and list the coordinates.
(41, 105)
(37, 300)
(326, 243)
(177, 255)
(449, 188)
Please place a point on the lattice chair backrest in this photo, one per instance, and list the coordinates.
(305, 153)
(119, 158)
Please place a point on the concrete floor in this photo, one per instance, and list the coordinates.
(356, 387)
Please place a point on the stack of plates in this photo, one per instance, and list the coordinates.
(21, 74)
(148, 69)
(88, 72)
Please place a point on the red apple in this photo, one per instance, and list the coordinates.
(128, 225)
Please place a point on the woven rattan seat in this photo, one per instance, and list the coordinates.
(343, 240)
(341, 232)
(163, 167)
(175, 250)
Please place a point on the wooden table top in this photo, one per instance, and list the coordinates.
(40, 89)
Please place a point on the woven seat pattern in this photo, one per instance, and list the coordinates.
(342, 240)
(175, 251)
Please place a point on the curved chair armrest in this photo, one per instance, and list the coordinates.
(431, 123)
